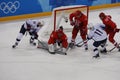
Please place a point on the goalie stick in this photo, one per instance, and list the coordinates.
(44, 45)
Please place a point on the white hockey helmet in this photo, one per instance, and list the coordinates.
(40, 24)
(90, 26)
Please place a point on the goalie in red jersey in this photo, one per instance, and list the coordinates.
(79, 22)
(110, 28)
(60, 38)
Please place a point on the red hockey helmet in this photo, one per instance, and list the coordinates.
(102, 15)
(60, 31)
(78, 13)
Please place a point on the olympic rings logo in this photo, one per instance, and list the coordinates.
(10, 7)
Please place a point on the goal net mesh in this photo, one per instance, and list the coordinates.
(59, 17)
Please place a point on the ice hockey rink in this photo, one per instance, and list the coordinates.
(26, 62)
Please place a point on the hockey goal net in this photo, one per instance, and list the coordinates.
(60, 17)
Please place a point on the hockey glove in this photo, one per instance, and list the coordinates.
(116, 30)
(34, 34)
(72, 23)
(88, 38)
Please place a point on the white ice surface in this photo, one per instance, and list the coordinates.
(29, 63)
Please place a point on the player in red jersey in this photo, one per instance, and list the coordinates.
(79, 22)
(110, 28)
(60, 38)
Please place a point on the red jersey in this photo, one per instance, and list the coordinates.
(58, 36)
(79, 21)
(110, 25)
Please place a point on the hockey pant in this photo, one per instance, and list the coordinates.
(83, 33)
(96, 44)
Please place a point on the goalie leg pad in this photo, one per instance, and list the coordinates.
(51, 48)
(64, 50)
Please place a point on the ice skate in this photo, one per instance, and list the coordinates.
(15, 45)
(104, 51)
(72, 44)
(86, 47)
(32, 42)
(96, 56)
(119, 49)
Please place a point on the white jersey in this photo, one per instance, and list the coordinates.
(97, 33)
(33, 24)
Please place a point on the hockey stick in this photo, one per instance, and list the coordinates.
(43, 44)
(45, 47)
(78, 43)
(73, 45)
(81, 44)
(112, 48)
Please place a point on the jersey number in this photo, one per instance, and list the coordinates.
(98, 32)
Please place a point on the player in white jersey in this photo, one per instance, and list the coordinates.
(31, 26)
(99, 36)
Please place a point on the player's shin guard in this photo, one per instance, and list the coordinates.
(96, 53)
(16, 43)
